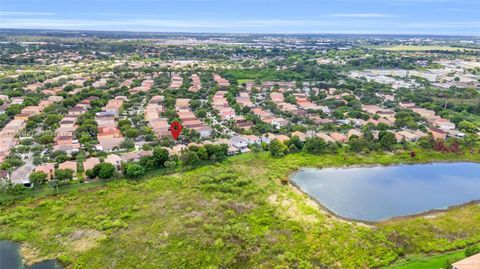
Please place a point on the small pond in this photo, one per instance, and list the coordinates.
(10, 258)
(378, 193)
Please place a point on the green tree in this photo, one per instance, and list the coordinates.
(45, 139)
(86, 129)
(134, 171)
(426, 142)
(104, 170)
(54, 183)
(355, 144)
(37, 178)
(387, 140)
(160, 156)
(277, 148)
(295, 140)
(63, 174)
(219, 151)
(13, 110)
(315, 145)
(170, 165)
(132, 133)
(202, 153)
(148, 162)
(467, 126)
(52, 119)
(127, 144)
(189, 157)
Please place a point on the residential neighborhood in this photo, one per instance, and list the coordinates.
(218, 150)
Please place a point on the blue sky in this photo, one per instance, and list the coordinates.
(441, 17)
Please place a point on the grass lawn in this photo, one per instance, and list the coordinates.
(428, 262)
(240, 81)
(236, 214)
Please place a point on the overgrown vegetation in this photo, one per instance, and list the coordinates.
(236, 214)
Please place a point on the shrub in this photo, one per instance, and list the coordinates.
(134, 171)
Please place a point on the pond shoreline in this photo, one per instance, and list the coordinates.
(25, 257)
(428, 213)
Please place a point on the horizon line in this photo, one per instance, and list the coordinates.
(242, 33)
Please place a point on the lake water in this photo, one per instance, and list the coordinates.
(377, 193)
(10, 258)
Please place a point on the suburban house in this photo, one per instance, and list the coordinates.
(325, 137)
(438, 133)
(71, 165)
(115, 160)
(338, 137)
(89, 163)
(300, 135)
(240, 143)
(253, 139)
(354, 132)
(48, 169)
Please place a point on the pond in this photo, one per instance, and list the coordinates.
(378, 193)
(10, 258)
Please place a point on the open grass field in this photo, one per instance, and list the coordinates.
(418, 48)
(428, 262)
(240, 81)
(236, 214)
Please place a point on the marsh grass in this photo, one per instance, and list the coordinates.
(236, 214)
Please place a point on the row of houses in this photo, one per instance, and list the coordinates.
(439, 127)
(386, 116)
(65, 134)
(304, 103)
(223, 83)
(176, 81)
(268, 85)
(220, 103)
(244, 100)
(189, 120)
(152, 113)
(279, 100)
(109, 136)
(270, 118)
(9, 133)
(145, 86)
(7, 102)
(100, 83)
(196, 83)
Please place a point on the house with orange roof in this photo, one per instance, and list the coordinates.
(90, 163)
(72, 165)
(48, 169)
(221, 81)
(300, 135)
(437, 133)
(354, 132)
(325, 137)
(115, 160)
(338, 137)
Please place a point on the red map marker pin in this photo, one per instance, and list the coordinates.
(175, 129)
